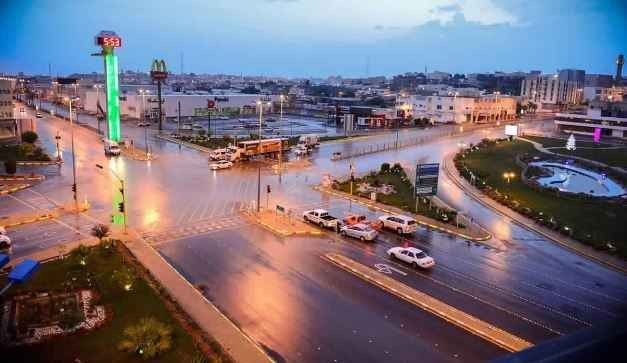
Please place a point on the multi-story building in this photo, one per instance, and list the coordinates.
(8, 124)
(458, 109)
(609, 94)
(566, 87)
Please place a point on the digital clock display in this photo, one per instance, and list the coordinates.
(110, 42)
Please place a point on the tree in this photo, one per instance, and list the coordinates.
(100, 231)
(10, 166)
(29, 137)
(149, 338)
(385, 167)
(570, 144)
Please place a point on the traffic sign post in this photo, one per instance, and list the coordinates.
(426, 181)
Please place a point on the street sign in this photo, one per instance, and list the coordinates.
(427, 179)
(211, 104)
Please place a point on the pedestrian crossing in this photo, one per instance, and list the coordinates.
(157, 238)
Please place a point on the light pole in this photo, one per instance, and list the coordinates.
(121, 206)
(98, 87)
(281, 97)
(508, 176)
(74, 187)
(143, 93)
(260, 105)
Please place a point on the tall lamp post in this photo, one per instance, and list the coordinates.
(260, 105)
(74, 187)
(143, 93)
(97, 87)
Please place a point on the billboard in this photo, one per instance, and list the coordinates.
(511, 130)
(427, 179)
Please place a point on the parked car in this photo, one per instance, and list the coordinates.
(411, 255)
(143, 124)
(362, 231)
(39, 115)
(321, 217)
(399, 223)
(336, 156)
(301, 150)
(186, 127)
(361, 219)
(197, 126)
(222, 164)
(218, 154)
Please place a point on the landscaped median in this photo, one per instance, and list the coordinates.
(496, 168)
(444, 311)
(18, 219)
(135, 317)
(282, 224)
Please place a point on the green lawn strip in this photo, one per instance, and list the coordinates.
(592, 221)
(126, 308)
(403, 198)
(596, 152)
(222, 142)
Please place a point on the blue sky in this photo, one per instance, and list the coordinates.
(303, 38)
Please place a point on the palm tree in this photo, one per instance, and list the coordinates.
(148, 338)
(100, 231)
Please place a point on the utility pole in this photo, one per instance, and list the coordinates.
(74, 187)
(258, 187)
(178, 131)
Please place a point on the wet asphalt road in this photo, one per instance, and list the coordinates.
(284, 295)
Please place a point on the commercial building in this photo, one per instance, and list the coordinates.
(604, 119)
(609, 94)
(8, 124)
(458, 109)
(566, 87)
(136, 104)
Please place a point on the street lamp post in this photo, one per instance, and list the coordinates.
(143, 93)
(74, 187)
(508, 176)
(98, 87)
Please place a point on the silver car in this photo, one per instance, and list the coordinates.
(361, 231)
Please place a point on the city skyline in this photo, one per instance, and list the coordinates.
(347, 39)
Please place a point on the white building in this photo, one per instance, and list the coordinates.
(587, 124)
(611, 94)
(134, 104)
(563, 88)
(8, 127)
(458, 109)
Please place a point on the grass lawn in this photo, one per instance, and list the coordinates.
(403, 198)
(588, 150)
(594, 222)
(126, 307)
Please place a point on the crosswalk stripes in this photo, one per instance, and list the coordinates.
(200, 227)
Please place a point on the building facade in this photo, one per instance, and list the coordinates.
(458, 109)
(566, 87)
(8, 123)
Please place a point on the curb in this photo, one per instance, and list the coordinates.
(38, 163)
(571, 247)
(423, 223)
(430, 304)
(282, 232)
(32, 220)
(22, 177)
(14, 189)
(184, 143)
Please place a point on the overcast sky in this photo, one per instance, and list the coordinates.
(312, 38)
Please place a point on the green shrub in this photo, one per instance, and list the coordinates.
(385, 167)
(29, 137)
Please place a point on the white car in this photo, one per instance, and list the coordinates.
(5, 243)
(222, 164)
(186, 127)
(38, 115)
(197, 126)
(399, 223)
(359, 230)
(411, 255)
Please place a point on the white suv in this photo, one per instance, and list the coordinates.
(400, 224)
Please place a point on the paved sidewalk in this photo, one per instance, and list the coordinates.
(444, 311)
(234, 341)
(282, 224)
(575, 246)
(476, 234)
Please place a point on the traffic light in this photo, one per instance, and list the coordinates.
(74, 188)
(268, 190)
(121, 207)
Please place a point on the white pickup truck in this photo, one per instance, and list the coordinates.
(321, 217)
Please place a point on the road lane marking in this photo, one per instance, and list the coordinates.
(454, 316)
